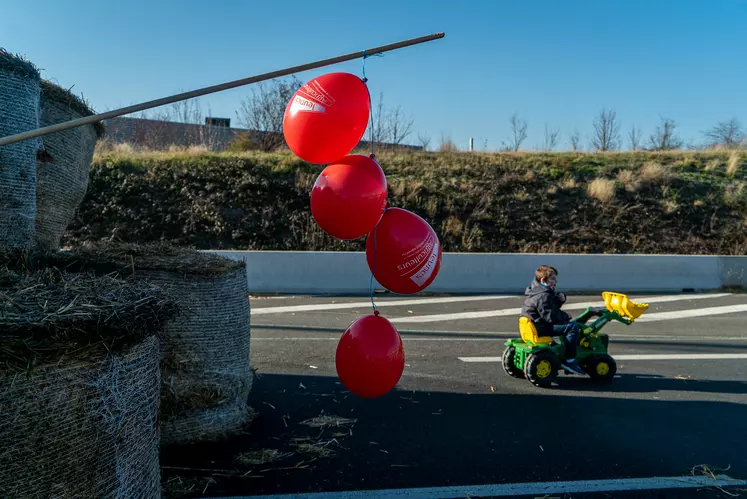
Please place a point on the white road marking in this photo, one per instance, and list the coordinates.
(684, 356)
(676, 356)
(696, 312)
(522, 489)
(692, 339)
(516, 311)
(379, 304)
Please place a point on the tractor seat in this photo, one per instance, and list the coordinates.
(529, 333)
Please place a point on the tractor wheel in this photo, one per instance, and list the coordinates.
(509, 363)
(541, 368)
(602, 368)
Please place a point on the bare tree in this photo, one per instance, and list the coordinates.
(606, 131)
(186, 111)
(518, 132)
(424, 141)
(729, 134)
(398, 125)
(551, 138)
(447, 145)
(635, 138)
(664, 138)
(262, 112)
(575, 140)
(378, 129)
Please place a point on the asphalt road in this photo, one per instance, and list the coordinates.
(456, 419)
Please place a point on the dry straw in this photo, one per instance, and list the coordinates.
(79, 384)
(48, 315)
(63, 163)
(206, 368)
(19, 112)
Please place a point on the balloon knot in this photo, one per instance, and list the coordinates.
(365, 80)
(376, 313)
(373, 156)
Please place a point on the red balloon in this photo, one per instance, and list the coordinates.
(327, 117)
(349, 197)
(370, 357)
(403, 252)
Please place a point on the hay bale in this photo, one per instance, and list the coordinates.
(19, 112)
(206, 369)
(62, 163)
(79, 385)
(198, 425)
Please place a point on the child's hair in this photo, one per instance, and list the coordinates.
(545, 272)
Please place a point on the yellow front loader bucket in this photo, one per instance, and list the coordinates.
(620, 303)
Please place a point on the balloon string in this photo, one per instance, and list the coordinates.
(373, 271)
(370, 104)
(373, 156)
(375, 259)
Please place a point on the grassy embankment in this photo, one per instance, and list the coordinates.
(640, 202)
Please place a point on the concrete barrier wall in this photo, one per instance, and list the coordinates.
(289, 272)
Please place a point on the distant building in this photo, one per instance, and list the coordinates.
(216, 134)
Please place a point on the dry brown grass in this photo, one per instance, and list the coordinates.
(414, 191)
(324, 421)
(262, 456)
(735, 159)
(319, 449)
(431, 207)
(452, 226)
(521, 195)
(628, 180)
(698, 203)
(397, 186)
(569, 183)
(472, 238)
(200, 149)
(447, 145)
(653, 172)
(670, 206)
(733, 193)
(713, 164)
(106, 147)
(553, 189)
(602, 189)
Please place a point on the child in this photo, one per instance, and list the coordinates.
(542, 306)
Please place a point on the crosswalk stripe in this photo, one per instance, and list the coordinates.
(676, 356)
(541, 489)
(696, 312)
(467, 339)
(379, 304)
(516, 311)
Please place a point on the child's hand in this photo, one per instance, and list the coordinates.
(561, 297)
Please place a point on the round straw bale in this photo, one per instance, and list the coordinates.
(19, 112)
(62, 163)
(196, 425)
(206, 369)
(79, 385)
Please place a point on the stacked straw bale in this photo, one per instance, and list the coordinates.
(63, 163)
(206, 370)
(79, 384)
(19, 112)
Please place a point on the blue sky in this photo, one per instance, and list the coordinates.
(555, 62)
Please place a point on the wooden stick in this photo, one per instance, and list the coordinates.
(209, 90)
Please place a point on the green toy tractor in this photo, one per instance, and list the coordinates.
(538, 358)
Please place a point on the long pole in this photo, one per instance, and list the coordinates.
(209, 90)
